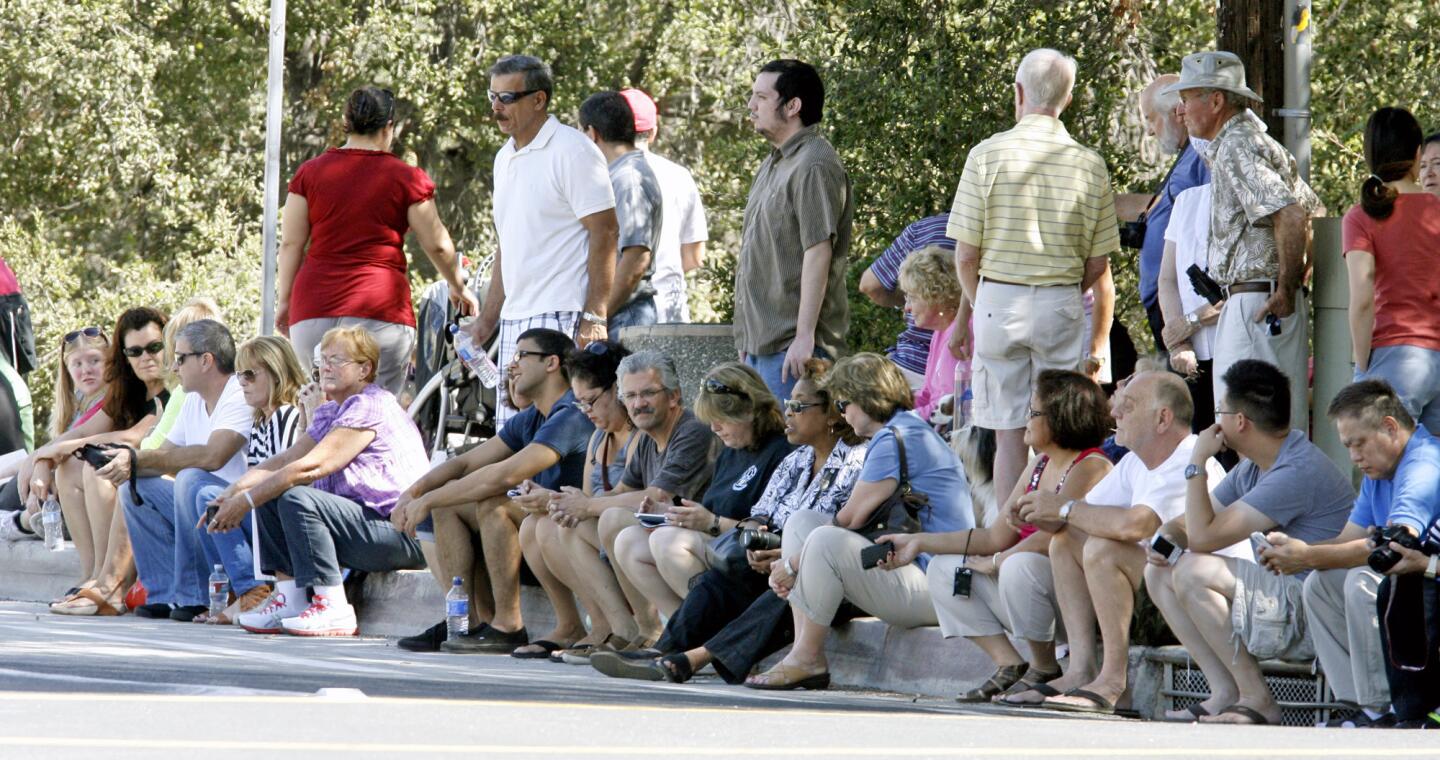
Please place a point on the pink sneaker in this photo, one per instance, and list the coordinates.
(267, 616)
(323, 619)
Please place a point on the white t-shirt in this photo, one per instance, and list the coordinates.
(683, 223)
(1189, 230)
(194, 425)
(1161, 489)
(542, 191)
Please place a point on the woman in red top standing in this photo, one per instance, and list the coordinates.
(342, 254)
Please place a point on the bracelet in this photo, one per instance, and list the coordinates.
(249, 500)
(1430, 570)
(594, 319)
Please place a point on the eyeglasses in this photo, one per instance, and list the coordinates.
(715, 386)
(586, 406)
(841, 404)
(89, 332)
(522, 353)
(795, 407)
(646, 395)
(247, 376)
(1033, 412)
(335, 362)
(134, 352)
(181, 356)
(508, 97)
(1219, 411)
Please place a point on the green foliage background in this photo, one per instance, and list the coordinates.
(135, 128)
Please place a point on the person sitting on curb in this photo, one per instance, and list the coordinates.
(1283, 483)
(325, 502)
(467, 496)
(1401, 464)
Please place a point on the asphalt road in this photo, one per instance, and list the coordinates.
(131, 688)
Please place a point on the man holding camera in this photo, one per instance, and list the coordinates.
(1230, 613)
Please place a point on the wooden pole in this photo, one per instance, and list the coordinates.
(1255, 31)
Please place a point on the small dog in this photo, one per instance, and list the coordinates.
(976, 448)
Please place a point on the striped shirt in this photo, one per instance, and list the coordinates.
(912, 346)
(1036, 203)
(272, 436)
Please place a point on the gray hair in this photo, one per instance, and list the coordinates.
(1162, 101)
(646, 361)
(537, 73)
(206, 336)
(1047, 77)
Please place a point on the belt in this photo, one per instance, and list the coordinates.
(1025, 285)
(1258, 286)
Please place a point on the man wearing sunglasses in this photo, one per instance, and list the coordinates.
(205, 447)
(555, 218)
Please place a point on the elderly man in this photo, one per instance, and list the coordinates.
(467, 497)
(1401, 465)
(790, 300)
(1259, 226)
(555, 218)
(1034, 225)
(206, 446)
(1098, 553)
(1230, 613)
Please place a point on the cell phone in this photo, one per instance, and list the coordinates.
(870, 556)
(210, 514)
(675, 500)
(1164, 548)
(1259, 539)
(963, 577)
(514, 492)
(651, 521)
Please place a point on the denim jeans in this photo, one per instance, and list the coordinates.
(637, 313)
(231, 548)
(310, 534)
(769, 366)
(1414, 373)
(165, 540)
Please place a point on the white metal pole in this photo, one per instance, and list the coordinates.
(1299, 31)
(273, 104)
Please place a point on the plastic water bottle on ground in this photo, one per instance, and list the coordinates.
(219, 593)
(474, 357)
(963, 396)
(457, 610)
(54, 528)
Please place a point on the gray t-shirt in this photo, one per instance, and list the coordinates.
(638, 208)
(684, 467)
(1303, 491)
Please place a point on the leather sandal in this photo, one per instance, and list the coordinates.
(98, 606)
(784, 677)
(1035, 680)
(1002, 679)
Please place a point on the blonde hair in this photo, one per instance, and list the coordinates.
(749, 400)
(358, 343)
(929, 275)
(66, 404)
(194, 310)
(276, 356)
(871, 382)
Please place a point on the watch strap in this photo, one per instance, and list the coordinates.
(594, 319)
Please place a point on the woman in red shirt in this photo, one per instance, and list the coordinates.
(342, 254)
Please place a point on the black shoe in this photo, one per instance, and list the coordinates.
(674, 668)
(488, 640)
(186, 614)
(428, 641)
(156, 611)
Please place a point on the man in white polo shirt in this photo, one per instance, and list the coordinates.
(555, 216)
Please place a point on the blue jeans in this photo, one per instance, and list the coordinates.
(769, 366)
(309, 535)
(231, 548)
(1414, 373)
(637, 313)
(164, 538)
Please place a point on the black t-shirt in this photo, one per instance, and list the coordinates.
(741, 476)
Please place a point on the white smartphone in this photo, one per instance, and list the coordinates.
(1259, 539)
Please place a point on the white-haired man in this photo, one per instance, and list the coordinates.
(1034, 225)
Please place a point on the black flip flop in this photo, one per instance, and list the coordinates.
(544, 644)
(1043, 689)
(1255, 717)
(1098, 704)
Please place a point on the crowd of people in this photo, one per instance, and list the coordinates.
(798, 487)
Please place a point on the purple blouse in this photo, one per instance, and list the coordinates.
(389, 465)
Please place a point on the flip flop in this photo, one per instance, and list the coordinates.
(1196, 713)
(102, 607)
(1098, 704)
(546, 647)
(1043, 689)
(1256, 719)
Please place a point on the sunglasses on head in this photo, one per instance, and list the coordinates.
(89, 332)
(152, 348)
(715, 386)
(598, 348)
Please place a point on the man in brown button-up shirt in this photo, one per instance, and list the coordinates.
(790, 280)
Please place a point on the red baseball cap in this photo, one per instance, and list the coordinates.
(644, 108)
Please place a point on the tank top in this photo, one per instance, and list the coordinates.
(605, 477)
(1039, 470)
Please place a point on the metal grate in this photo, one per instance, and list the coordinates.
(1304, 700)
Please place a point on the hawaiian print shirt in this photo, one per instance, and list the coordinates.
(791, 489)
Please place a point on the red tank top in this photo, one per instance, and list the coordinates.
(1040, 470)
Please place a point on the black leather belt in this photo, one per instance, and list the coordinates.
(1259, 286)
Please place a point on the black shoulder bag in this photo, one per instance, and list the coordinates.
(900, 512)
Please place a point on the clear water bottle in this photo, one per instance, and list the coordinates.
(474, 357)
(963, 396)
(54, 527)
(457, 610)
(219, 592)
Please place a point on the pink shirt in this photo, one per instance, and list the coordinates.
(939, 374)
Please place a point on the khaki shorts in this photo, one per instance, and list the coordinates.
(1019, 331)
(1267, 616)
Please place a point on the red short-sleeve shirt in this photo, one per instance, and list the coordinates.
(355, 267)
(1406, 247)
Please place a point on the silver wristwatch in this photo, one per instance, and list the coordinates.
(1065, 510)
(593, 318)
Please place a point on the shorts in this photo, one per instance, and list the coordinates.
(1267, 615)
(1019, 331)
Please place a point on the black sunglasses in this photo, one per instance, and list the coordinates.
(247, 376)
(795, 407)
(715, 386)
(842, 404)
(507, 97)
(153, 348)
(89, 332)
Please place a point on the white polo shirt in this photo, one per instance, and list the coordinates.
(542, 191)
(683, 223)
(194, 425)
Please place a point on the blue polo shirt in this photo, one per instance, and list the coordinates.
(934, 470)
(1189, 171)
(912, 346)
(1412, 496)
(567, 431)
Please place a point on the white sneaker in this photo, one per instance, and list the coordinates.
(322, 619)
(10, 528)
(266, 618)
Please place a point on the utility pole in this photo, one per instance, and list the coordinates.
(1255, 31)
(274, 104)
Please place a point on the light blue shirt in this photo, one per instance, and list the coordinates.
(934, 470)
(1412, 496)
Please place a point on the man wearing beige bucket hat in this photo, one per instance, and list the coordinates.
(1259, 226)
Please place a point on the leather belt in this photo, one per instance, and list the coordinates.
(1024, 285)
(1258, 286)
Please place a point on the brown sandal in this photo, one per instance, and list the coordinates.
(102, 607)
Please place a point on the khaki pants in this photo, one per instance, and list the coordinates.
(830, 573)
(1020, 602)
(1340, 615)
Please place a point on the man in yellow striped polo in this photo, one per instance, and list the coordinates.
(1034, 225)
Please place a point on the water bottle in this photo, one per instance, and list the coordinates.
(50, 518)
(963, 397)
(457, 610)
(219, 593)
(474, 358)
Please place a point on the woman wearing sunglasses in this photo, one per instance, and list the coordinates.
(135, 398)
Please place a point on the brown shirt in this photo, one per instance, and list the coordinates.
(800, 198)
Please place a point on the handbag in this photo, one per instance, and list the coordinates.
(900, 512)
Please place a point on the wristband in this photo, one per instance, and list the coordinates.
(249, 500)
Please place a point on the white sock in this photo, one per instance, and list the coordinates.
(336, 594)
(291, 592)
